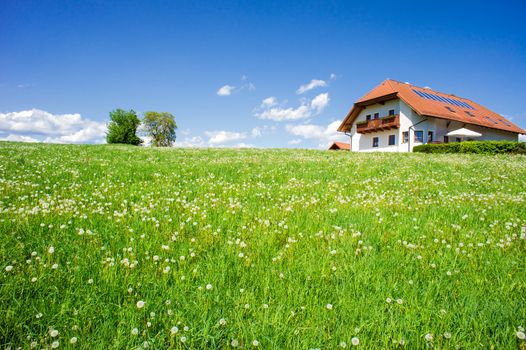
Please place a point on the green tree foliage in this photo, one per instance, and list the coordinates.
(161, 128)
(123, 127)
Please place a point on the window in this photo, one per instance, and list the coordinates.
(450, 109)
(392, 140)
(368, 117)
(375, 141)
(391, 112)
(376, 115)
(446, 139)
(429, 136)
(419, 136)
(470, 114)
(405, 137)
(458, 139)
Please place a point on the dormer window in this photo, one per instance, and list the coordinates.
(391, 112)
(368, 117)
(376, 115)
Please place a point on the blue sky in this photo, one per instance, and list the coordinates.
(74, 61)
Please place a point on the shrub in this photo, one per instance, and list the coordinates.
(478, 147)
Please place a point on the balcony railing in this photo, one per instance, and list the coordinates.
(374, 125)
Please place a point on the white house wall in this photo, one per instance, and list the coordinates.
(364, 142)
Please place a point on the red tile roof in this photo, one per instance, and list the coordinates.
(340, 145)
(427, 102)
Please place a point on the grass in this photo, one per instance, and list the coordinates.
(231, 246)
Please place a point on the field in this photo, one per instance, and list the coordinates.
(115, 247)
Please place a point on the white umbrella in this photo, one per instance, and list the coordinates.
(463, 132)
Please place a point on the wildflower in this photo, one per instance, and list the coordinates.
(54, 266)
(355, 341)
(255, 343)
(51, 250)
(209, 286)
(135, 331)
(90, 281)
(174, 330)
(265, 306)
(429, 337)
(343, 344)
(34, 279)
(234, 343)
(388, 300)
(399, 301)
(329, 306)
(186, 328)
(222, 322)
(447, 335)
(73, 340)
(145, 345)
(140, 304)
(55, 344)
(521, 335)
(9, 268)
(183, 339)
(247, 306)
(53, 333)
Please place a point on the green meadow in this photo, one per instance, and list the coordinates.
(116, 247)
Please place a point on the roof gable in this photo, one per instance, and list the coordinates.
(427, 102)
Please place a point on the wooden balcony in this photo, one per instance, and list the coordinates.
(381, 124)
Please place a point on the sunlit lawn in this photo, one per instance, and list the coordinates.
(114, 247)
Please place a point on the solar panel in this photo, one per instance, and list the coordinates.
(438, 98)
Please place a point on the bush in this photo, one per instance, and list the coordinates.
(478, 147)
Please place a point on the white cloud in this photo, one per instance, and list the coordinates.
(222, 136)
(57, 128)
(333, 76)
(18, 138)
(190, 142)
(322, 134)
(320, 102)
(280, 114)
(314, 83)
(225, 90)
(295, 142)
(269, 102)
(522, 138)
(270, 109)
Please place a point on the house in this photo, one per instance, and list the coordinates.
(395, 117)
(340, 146)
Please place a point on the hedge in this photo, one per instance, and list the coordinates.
(479, 147)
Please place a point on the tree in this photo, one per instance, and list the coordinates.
(123, 127)
(161, 128)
